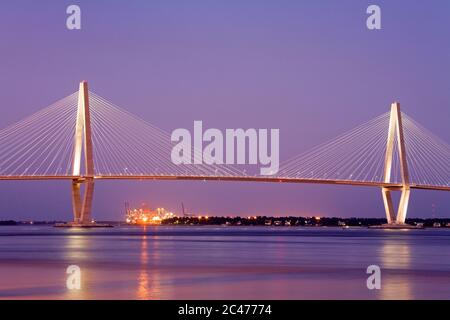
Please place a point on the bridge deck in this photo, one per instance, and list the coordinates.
(230, 178)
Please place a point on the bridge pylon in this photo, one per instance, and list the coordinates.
(82, 204)
(396, 134)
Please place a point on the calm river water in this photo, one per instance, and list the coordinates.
(223, 263)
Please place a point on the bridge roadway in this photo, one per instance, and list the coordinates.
(228, 178)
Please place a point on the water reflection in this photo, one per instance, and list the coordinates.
(143, 286)
(77, 252)
(396, 261)
(149, 282)
(226, 263)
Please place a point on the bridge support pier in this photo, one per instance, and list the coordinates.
(396, 135)
(391, 215)
(82, 208)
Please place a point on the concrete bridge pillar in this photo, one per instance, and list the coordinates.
(82, 206)
(396, 134)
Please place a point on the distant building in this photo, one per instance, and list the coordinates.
(147, 216)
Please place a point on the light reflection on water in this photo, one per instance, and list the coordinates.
(396, 256)
(149, 281)
(143, 291)
(76, 252)
(223, 263)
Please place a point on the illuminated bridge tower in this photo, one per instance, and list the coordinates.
(396, 134)
(82, 206)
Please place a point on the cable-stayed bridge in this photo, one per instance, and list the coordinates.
(84, 138)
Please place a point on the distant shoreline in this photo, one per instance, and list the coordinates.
(288, 221)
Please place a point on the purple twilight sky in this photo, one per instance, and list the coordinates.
(310, 68)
